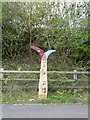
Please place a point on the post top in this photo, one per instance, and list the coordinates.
(44, 55)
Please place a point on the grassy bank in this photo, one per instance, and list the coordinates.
(30, 97)
(26, 92)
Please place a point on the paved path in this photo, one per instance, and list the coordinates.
(45, 111)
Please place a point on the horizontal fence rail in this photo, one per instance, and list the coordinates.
(14, 71)
(74, 79)
(61, 72)
(74, 72)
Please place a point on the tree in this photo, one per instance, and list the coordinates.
(49, 25)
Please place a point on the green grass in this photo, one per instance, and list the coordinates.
(55, 95)
(23, 97)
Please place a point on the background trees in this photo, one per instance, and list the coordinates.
(49, 25)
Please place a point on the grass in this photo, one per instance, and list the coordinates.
(23, 97)
(27, 95)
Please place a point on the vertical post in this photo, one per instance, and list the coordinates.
(1, 74)
(75, 75)
(43, 85)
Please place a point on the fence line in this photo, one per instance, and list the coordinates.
(74, 72)
(61, 72)
(63, 80)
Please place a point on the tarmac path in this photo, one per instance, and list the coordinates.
(45, 111)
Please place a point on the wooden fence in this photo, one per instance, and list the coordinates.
(74, 73)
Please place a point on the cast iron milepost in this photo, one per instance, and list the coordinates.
(43, 84)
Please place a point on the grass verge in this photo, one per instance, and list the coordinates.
(24, 97)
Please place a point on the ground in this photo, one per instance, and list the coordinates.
(45, 111)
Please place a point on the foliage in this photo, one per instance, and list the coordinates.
(49, 25)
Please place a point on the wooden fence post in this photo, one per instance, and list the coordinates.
(75, 75)
(1, 74)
